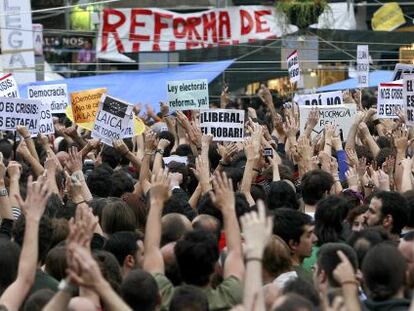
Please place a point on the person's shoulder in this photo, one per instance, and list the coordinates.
(227, 294)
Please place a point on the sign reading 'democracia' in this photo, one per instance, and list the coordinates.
(223, 124)
(56, 95)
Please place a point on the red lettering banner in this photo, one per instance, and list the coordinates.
(147, 30)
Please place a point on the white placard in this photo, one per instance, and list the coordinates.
(363, 66)
(293, 67)
(223, 124)
(112, 119)
(175, 158)
(38, 39)
(56, 95)
(400, 70)
(17, 111)
(8, 86)
(320, 99)
(390, 97)
(188, 94)
(343, 116)
(46, 119)
(408, 94)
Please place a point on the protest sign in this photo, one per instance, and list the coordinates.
(8, 86)
(17, 111)
(319, 99)
(390, 97)
(293, 67)
(85, 104)
(408, 94)
(400, 70)
(363, 66)
(188, 94)
(56, 95)
(46, 125)
(112, 119)
(343, 116)
(223, 124)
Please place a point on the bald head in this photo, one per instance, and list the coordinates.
(173, 227)
(208, 223)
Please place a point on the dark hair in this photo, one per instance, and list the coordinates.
(60, 228)
(178, 203)
(328, 259)
(45, 232)
(170, 137)
(99, 181)
(110, 156)
(55, 264)
(173, 227)
(53, 205)
(277, 258)
(394, 204)
(289, 224)
(302, 288)
(121, 244)
(197, 253)
(140, 291)
(121, 183)
(109, 267)
(384, 142)
(329, 216)
(315, 184)
(188, 297)
(363, 151)
(183, 150)
(38, 300)
(409, 195)
(384, 270)
(383, 154)
(118, 216)
(281, 194)
(294, 302)
(9, 263)
(6, 148)
(355, 212)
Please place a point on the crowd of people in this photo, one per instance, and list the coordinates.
(172, 220)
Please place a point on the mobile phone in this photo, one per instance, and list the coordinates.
(268, 152)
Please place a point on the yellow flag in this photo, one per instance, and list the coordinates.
(388, 17)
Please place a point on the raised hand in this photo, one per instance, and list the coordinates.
(223, 195)
(150, 138)
(14, 169)
(352, 178)
(120, 146)
(344, 271)
(74, 161)
(23, 131)
(160, 187)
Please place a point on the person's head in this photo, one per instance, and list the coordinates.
(6, 148)
(45, 232)
(328, 260)
(406, 247)
(276, 258)
(356, 218)
(292, 302)
(140, 291)
(118, 216)
(173, 227)
(409, 195)
(38, 300)
(188, 297)
(9, 261)
(177, 204)
(329, 216)
(281, 194)
(197, 254)
(297, 230)
(316, 184)
(388, 209)
(172, 272)
(383, 154)
(128, 249)
(109, 267)
(121, 183)
(304, 289)
(99, 181)
(110, 156)
(55, 264)
(384, 271)
(208, 223)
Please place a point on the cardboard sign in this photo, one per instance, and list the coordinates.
(343, 116)
(56, 95)
(85, 104)
(8, 86)
(408, 94)
(390, 97)
(363, 66)
(46, 120)
(319, 99)
(137, 30)
(293, 67)
(112, 119)
(17, 111)
(223, 124)
(402, 69)
(188, 94)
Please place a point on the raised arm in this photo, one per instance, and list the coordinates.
(25, 135)
(5, 202)
(350, 140)
(33, 208)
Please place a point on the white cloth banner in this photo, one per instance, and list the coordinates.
(17, 111)
(408, 93)
(343, 116)
(390, 97)
(56, 95)
(293, 67)
(152, 29)
(188, 94)
(112, 119)
(8, 86)
(363, 65)
(319, 99)
(223, 124)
